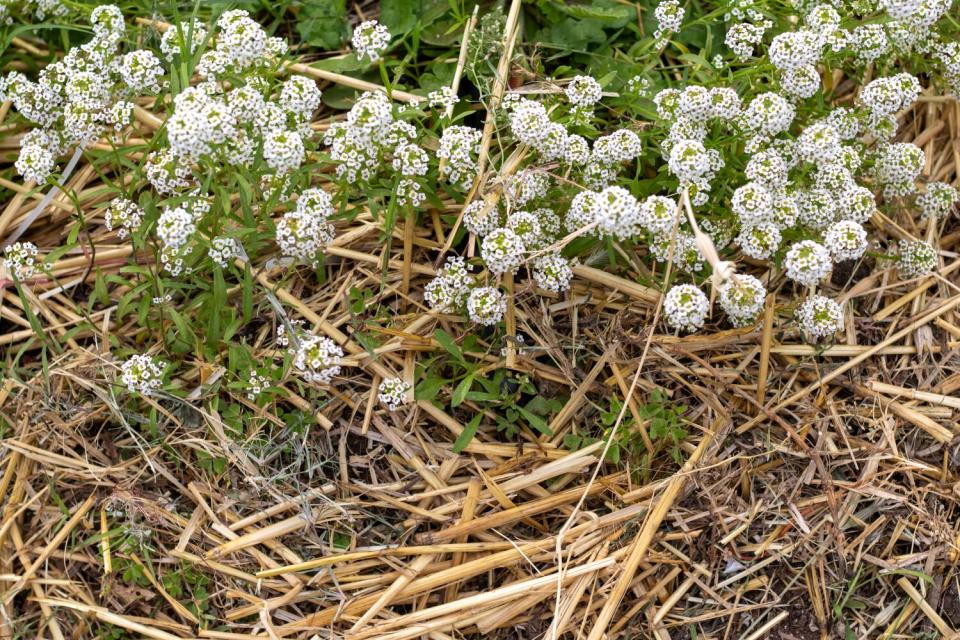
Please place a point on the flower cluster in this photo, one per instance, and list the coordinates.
(459, 146)
(370, 39)
(142, 374)
(916, 258)
(77, 98)
(820, 317)
(20, 259)
(123, 214)
(317, 358)
(742, 298)
(449, 290)
(370, 139)
(304, 232)
(394, 393)
(686, 307)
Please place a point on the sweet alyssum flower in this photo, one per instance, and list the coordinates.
(916, 258)
(583, 91)
(123, 214)
(846, 240)
(552, 272)
(317, 358)
(486, 305)
(685, 307)
(742, 298)
(223, 250)
(393, 393)
(370, 40)
(503, 251)
(449, 290)
(142, 373)
(304, 232)
(20, 259)
(459, 146)
(808, 262)
(820, 317)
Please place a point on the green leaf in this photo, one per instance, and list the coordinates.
(400, 16)
(467, 434)
(323, 24)
(448, 343)
(535, 421)
(429, 388)
(612, 13)
(460, 393)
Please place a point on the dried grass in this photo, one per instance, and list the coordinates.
(816, 485)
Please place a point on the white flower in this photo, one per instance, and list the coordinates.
(818, 208)
(658, 214)
(689, 159)
(20, 258)
(552, 272)
(742, 298)
(619, 214)
(760, 241)
(317, 358)
(669, 16)
(459, 146)
(300, 96)
(393, 392)
(808, 262)
(442, 98)
(527, 227)
(898, 165)
(768, 168)
(939, 198)
(502, 251)
(175, 227)
(283, 150)
(795, 49)
(448, 291)
(857, 204)
(410, 160)
(622, 145)
(916, 258)
(486, 305)
(577, 151)
(166, 173)
(223, 250)
(752, 203)
(124, 214)
(820, 317)
(141, 71)
(242, 41)
(685, 307)
(35, 162)
(193, 34)
(107, 21)
(769, 114)
(304, 232)
(742, 37)
(479, 221)
(583, 91)
(846, 240)
(142, 374)
(370, 39)
(819, 143)
(256, 383)
(585, 209)
(869, 42)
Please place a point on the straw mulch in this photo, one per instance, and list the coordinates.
(814, 496)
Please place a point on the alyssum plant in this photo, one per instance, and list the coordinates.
(758, 149)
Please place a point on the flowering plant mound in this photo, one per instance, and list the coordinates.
(748, 165)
